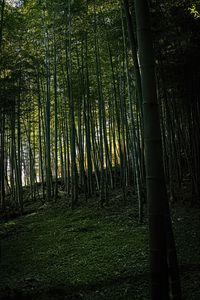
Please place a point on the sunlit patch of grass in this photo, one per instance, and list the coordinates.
(30, 215)
(9, 223)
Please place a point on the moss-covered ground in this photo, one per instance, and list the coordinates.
(89, 253)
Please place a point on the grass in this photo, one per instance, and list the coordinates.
(56, 253)
(186, 221)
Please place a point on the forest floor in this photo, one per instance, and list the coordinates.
(55, 253)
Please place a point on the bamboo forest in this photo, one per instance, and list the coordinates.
(99, 149)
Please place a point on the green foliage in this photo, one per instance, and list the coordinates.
(194, 11)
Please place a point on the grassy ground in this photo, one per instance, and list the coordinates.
(56, 253)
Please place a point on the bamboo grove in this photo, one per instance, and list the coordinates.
(82, 112)
(71, 104)
(69, 114)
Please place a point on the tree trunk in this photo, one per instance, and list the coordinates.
(156, 191)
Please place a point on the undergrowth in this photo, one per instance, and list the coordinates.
(88, 253)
